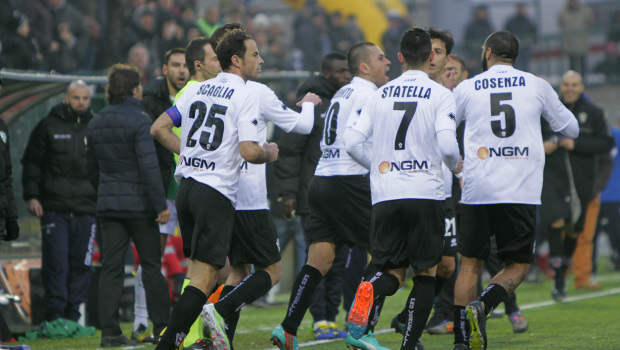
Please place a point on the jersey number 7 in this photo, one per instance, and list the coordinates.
(401, 134)
(206, 143)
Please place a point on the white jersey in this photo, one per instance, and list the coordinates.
(504, 154)
(252, 192)
(403, 117)
(215, 115)
(345, 108)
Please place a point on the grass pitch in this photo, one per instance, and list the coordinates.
(587, 320)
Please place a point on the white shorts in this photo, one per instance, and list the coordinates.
(168, 227)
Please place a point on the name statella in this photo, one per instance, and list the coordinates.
(398, 91)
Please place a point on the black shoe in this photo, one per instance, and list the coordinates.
(143, 335)
(461, 346)
(398, 326)
(419, 346)
(478, 322)
(116, 341)
(558, 294)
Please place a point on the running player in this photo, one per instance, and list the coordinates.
(339, 193)
(220, 118)
(411, 120)
(503, 178)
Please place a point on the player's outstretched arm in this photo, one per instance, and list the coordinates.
(162, 131)
(255, 154)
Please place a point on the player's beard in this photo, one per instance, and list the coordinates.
(485, 65)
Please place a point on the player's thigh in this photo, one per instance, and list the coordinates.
(515, 231)
(474, 238)
(255, 239)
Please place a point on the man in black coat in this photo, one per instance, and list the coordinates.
(299, 155)
(122, 165)
(9, 229)
(157, 98)
(569, 176)
(57, 190)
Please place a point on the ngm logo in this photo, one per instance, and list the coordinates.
(407, 166)
(199, 163)
(506, 152)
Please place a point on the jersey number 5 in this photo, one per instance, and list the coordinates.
(206, 143)
(509, 114)
(401, 134)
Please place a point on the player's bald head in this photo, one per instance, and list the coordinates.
(357, 54)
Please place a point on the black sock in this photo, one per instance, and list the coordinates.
(494, 295)
(184, 314)
(383, 284)
(555, 241)
(251, 288)
(232, 327)
(371, 271)
(225, 290)
(439, 282)
(461, 325)
(373, 318)
(303, 289)
(402, 316)
(419, 306)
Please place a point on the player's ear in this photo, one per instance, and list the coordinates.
(465, 74)
(364, 68)
(401, 58)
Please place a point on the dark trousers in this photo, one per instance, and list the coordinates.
(67, 242)
(115, 235)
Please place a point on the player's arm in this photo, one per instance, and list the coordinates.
(162, 130)
(445, 129)
(559, 117)
(285, 118)
(355, 136)
(255, 154)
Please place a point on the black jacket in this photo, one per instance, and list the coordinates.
(54, 167)
(8, 207)
(299, 154)
(155, 101)
(594, 140)
(122, 163)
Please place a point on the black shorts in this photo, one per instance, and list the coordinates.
(449, 239)
(340, 210)
(206, 220)
(407, 232)
(513, 226)
(255, 239)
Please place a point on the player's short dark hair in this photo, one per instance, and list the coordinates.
(458, 59)
(171, 52)
(122, 79)
(415, 46)
(327, 63)
(357, 54)
(195, 52)
(232, 44)
(222, 30)
(444, 35)
(504, 45)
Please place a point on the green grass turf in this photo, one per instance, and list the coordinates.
(584, 324)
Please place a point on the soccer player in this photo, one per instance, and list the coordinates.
(339, 193)
(255, 239)
(411, 120)
(503, 178)
(442, 44)
(220, 118)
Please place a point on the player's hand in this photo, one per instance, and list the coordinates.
(163, 217)
(447, 79)
(272, 151)
(34, 207)
(310, 97)
(569, 144)
(288, 207)
(459, 167)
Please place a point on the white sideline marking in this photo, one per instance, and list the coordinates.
(521, 307)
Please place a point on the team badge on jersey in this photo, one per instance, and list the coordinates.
(582, 116)
(3, 136)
